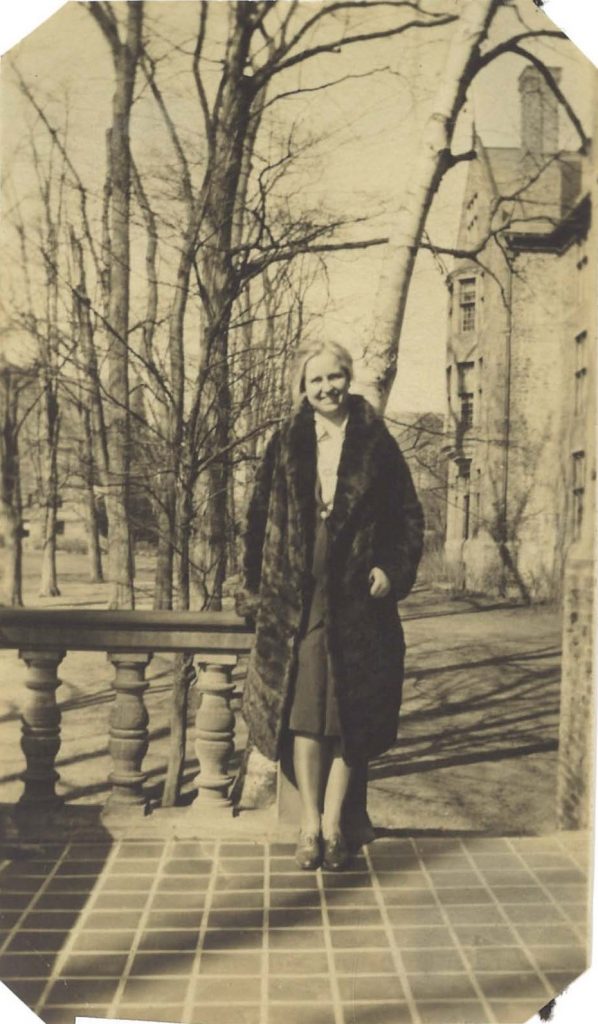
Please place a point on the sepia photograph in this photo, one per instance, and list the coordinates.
(298, 324)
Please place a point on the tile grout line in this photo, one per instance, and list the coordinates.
(112, 1010)
(394, 950)
(74, 931)
(454, 935)
(547, 891)
(339, 1016)
(587, 870)
(33, 901)
(510, 924)
(207, 907)
(265, 978)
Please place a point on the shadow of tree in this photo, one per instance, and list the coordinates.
(483, 709)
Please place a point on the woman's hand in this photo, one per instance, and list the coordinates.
(379, 583)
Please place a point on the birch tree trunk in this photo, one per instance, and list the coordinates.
(434, 160)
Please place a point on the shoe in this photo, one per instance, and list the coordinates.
(336, 854)
(308, 854)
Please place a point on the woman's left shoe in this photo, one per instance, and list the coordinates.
(336, 853)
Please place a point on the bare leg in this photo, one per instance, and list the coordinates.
(308, 762)
(339, 776)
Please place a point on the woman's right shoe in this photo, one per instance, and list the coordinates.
(336, 853)
(308, 854)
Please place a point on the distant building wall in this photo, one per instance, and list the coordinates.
(577, 729)
(508, 508)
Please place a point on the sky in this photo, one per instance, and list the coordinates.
(370, 130)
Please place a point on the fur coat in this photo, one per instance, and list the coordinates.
(376, 520)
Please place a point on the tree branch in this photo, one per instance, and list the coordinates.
(288, 253)
(54, 135)
(512, 46)
(269, 70)
(325, 85)
(150, 75)
(104, 17)
(506, 47)
(452, 159)
(201, 92)
(558, 92)
(334, 8)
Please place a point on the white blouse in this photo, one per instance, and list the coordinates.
(329, 437)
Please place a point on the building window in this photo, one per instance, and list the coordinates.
(467, 300)
(581, 278)
(579, 472)
(581, 373)
(465, 371)
(448, 385)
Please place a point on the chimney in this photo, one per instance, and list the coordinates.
(539, 112)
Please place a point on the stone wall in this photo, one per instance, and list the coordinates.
(576, 767)
(576, 732)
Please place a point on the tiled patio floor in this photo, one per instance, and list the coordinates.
(480, 930)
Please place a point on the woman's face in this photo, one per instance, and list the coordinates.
(326, 385)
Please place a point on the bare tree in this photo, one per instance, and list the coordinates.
(125, 46)
(11, 523)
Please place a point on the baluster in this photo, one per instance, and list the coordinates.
(40, 740)
(215, 731)
(129, 736)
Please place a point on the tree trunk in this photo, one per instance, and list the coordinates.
(433, 162)
(49, 581)
(183, 670)
(11, 526)
(164, 553)
(125, 58)
(94, 445)
(230, 154)
(169, 521)
(94, 550)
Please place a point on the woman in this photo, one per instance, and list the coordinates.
(334, 537)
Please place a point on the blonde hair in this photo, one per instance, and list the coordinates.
(306, 352)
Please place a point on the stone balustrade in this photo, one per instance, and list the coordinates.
(130, 639)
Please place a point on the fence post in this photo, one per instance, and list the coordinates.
(129, 736)
(40, 739)
(215, 731)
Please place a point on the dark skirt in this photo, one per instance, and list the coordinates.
(314, 708)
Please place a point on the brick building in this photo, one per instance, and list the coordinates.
(518, 359)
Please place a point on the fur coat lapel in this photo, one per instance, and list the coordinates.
(356, 472)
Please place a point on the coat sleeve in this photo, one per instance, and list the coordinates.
(400, 524)
(255, 531)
